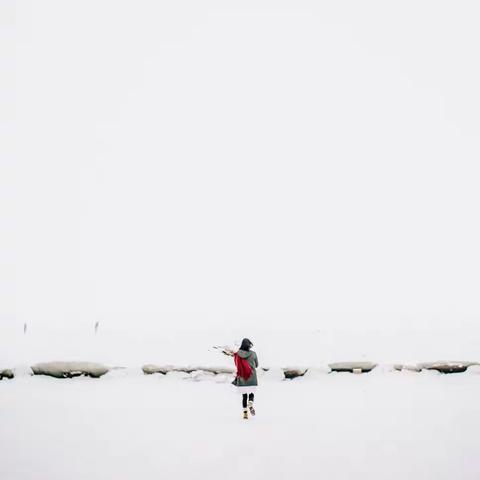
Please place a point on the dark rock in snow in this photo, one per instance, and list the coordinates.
(294, 372)
(7, 373)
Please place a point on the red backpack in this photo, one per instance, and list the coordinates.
(244, 370)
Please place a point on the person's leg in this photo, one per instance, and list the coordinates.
(250, 403)
(244, 404)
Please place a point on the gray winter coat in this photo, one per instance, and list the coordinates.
(252, 359)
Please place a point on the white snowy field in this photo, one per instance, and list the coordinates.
(338, 427)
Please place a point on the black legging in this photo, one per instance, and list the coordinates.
(246, 397)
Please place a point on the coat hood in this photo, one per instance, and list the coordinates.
(244, 353)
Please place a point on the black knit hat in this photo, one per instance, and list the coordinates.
(246, 345)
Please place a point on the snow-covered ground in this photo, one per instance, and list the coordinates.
(339, 427)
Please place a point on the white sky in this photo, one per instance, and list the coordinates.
(200, 163)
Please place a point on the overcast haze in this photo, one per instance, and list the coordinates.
(191, 164)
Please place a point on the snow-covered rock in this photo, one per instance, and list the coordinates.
(70, 369)
(354, 367)
(6, 373)
(446, 366)
(294, 372)
(151, 369)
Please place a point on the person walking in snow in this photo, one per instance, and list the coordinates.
(246, 361)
